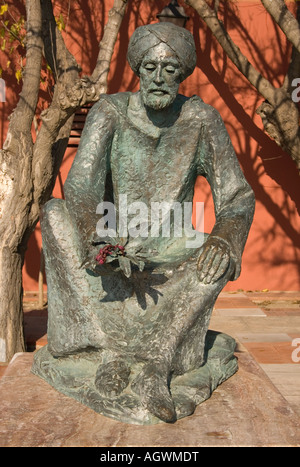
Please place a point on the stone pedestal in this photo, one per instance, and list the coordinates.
(246, 410)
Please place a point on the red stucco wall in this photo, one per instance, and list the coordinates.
(272, 255)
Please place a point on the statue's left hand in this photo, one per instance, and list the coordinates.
(213, 261)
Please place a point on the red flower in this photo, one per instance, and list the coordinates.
(109, 249)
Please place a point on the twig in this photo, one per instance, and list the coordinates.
(209, 16)
(285, 20)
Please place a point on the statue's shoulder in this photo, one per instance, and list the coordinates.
(197, 106)
(197, 109)
(118, 101)
(110, 104)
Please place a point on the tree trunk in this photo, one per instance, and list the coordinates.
(12, 337)
(16, 189)
(15, 202)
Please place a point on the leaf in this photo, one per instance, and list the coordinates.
(125, 265)
(18, 75)
(110, 259)
(60, 23)
(3, 9)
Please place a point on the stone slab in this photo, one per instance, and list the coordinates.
(271, 352)
(234, 302)
(234, 295)
(234, 325)
(274, 295)
(246, 410)
(263, 337)
(243, 312)
(285, 376)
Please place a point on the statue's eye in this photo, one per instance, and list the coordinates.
(149, 67)
(170, 69)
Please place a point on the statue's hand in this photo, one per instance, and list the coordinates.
(89, 261)
(109, 257)
(213, 261)
(92, 265)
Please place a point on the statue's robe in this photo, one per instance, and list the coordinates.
(163, 310)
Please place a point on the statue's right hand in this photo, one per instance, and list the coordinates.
(99, 269)
(88, 263)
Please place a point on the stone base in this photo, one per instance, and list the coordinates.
(75, 375)
(246, 410)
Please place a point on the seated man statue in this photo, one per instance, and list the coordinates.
(129, 314)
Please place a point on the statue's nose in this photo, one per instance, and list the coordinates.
(158, 78)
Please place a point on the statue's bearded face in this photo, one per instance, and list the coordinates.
(159, 77)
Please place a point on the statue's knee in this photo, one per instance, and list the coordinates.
(53, 207)
(53, 213)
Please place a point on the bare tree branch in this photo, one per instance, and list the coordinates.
(61, 61)
(282, 121)
(88, 89)
(294, 66)
(217, 6)
(25, 109)
(17, 152)
(285, 20)
(232, 50)
(107, 44)
(57, 119)
(279, 114)
(293, 72)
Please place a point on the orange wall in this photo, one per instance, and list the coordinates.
(272, 254)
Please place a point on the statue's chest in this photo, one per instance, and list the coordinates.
(154, 167)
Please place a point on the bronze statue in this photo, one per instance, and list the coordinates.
(129, 307)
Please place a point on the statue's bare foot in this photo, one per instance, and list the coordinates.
(151, 384)
(112, 378)
(184, 406)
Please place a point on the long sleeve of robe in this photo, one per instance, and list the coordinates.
(233, 197)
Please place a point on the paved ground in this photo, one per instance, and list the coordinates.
(266, 326)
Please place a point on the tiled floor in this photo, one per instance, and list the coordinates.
(265, 324)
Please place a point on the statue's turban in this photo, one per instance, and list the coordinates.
(177, 38)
